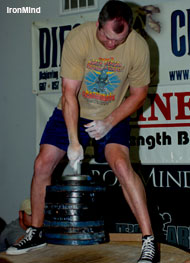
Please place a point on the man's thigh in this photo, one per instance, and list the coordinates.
(117, 137)
(114, 152)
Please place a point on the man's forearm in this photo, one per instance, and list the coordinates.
(71, 112)
(70, 108)
(127, 107)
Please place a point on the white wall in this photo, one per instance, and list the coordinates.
(17, 103)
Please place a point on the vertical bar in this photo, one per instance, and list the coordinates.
(78, 4)
(69, 5)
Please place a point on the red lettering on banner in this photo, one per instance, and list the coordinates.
(165, 109)
(182, 105)
(164, 106)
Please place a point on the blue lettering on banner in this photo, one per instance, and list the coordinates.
(55, 85)
(179, 75)
(42, 86)
(179, 42)
(48, 45)
(48, 38)
(51, 41)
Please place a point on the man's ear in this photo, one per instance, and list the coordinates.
(97, 24)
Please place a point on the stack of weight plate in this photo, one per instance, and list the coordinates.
(74, 212)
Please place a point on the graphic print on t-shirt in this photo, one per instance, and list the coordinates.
(102, 80)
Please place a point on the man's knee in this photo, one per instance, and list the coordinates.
(122, 165)
(44, 162)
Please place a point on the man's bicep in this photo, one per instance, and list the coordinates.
(139, 92)
(72, 61)
(70, 86)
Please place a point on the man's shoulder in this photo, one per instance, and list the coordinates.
(85, 28)
(88, 24)
(136, 37)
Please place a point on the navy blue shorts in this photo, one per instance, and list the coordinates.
(55, 133)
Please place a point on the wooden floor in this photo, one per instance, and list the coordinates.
(112, 252)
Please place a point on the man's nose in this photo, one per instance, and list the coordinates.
(111, 41)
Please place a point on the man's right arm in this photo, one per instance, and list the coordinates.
(70, 110)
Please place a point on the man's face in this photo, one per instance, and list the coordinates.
(108, 38)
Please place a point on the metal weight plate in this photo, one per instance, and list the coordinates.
(90, 214)
(65, 212)
(78, 236)
(65, 206)
(63, 194)
(59, 197)
(59, 188)
(74, 200)
(93, 223)
(76, 178)
(74, 230)
(70, 212)
(73, 213)
(72, 218)
(76, 239)
(76, 242)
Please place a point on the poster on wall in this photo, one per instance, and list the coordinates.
(47, 42)
(160, 130)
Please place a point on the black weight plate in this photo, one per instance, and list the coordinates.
(93, 223)
(59, 197)
(74, 200)
(65, 194)
(70, 212)
(76, 242)
(72, 218)
(59, 188)
(65, 206)
(61, 230)
(78, 236)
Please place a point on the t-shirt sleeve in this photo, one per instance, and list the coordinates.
(139, 74)
(72, 58)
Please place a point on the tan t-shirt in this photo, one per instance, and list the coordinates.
(105, 74)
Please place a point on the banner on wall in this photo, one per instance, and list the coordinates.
(169, 44)
(168, 191)
(47, 41)
(160, 130)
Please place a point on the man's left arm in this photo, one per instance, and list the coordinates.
(99, 128)
(130, 105)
